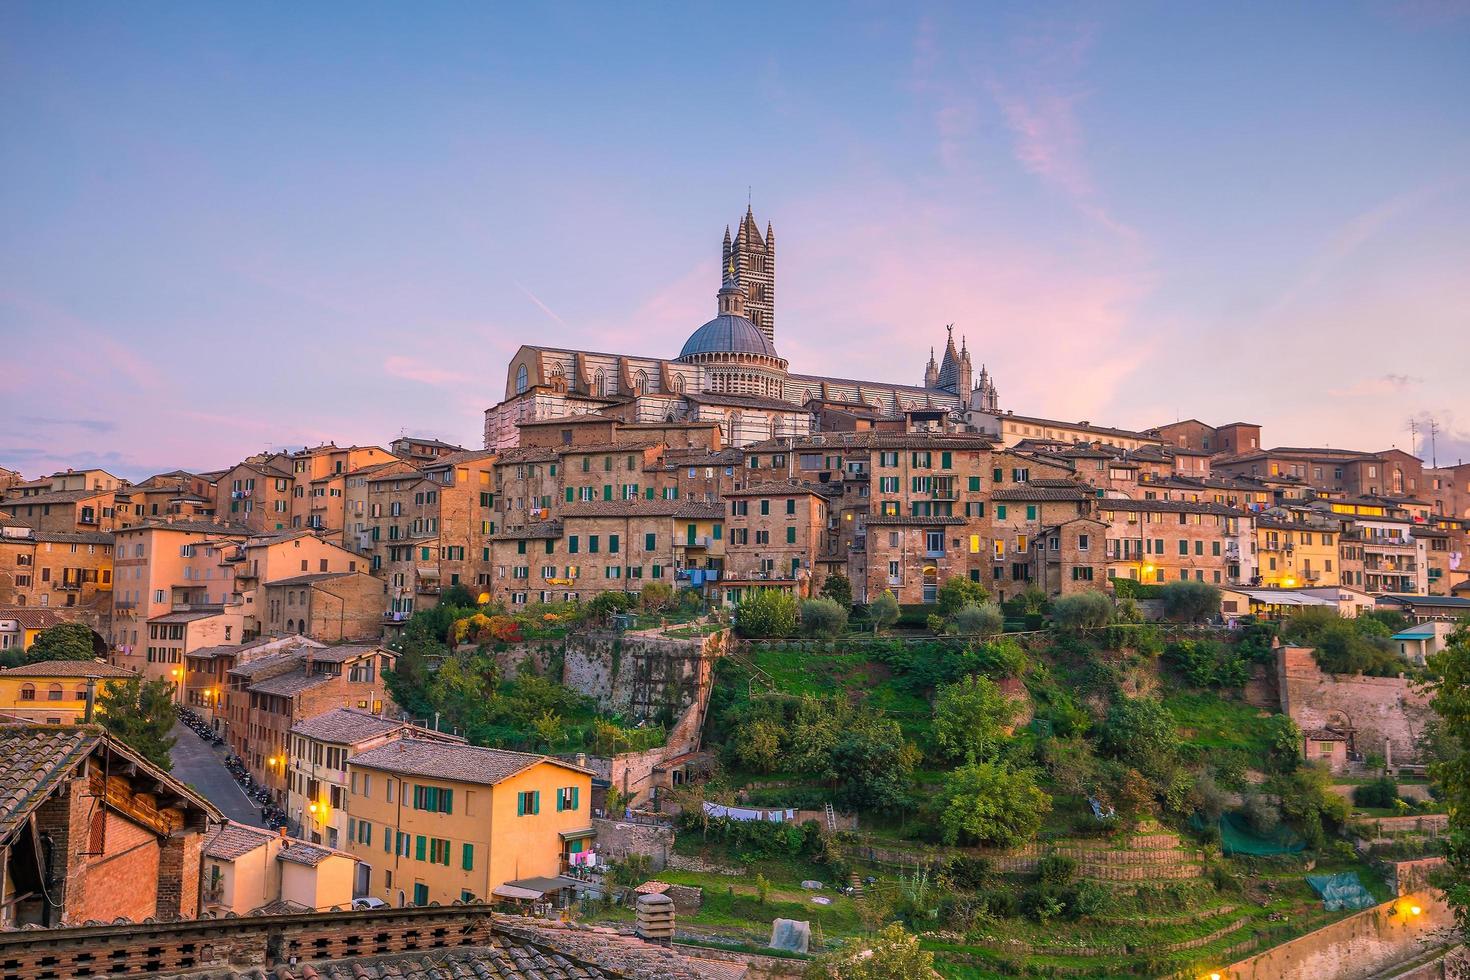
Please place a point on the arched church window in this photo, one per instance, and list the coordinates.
(523, 379)
(640, 382)
(599, 382)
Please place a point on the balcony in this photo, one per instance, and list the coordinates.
(933, 552)
(944, 493)
(698, 541)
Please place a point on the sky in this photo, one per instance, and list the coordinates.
(227, 227)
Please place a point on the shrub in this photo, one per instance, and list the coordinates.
(936, 624)
(1382, 792)
(766, 613)
(1262, 815)
(1190, 602)
(1141, 732)
(1056, 870)
(656, 596)
(823, 617)
(1208, 663)
(970, 719)
(980, 620)
(1082, 610)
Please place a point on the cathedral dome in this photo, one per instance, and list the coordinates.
(728, 334)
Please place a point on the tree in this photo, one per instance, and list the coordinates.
(64, 641)
(883, 611)
(991, 804)
(757, 745)
(458, 596)
(766, 613)
(893, 955)
(656, 596)
(1082, 610)
(140, 715)
(1452, 704)
(823, 617)
(872, 763)
(957, 592)
(839, 589)
(980, 620)
(1142, 733)
(548, 727)
(1190, 602)
(970, 719)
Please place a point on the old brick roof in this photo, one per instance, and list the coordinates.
(300, 852)
(345, 726)
(290, 683)
(697, 511)
(33, 759)
(233, 840)
(775, 488)
(910, 520)
(31, 617)
(621, 508)
(465, 763)
(537, 530)
(67, 668)
(1036, 493)
(1169, 507)
(74, 537)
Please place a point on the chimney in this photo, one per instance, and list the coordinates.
(655, 919)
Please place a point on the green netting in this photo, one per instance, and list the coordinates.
(1341, 891)
(1236, 837)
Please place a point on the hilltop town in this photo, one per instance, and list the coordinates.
(701, 666)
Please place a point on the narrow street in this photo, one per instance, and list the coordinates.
(199, 764)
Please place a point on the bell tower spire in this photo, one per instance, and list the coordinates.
(750, 262)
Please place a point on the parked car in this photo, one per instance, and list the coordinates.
(369, 903)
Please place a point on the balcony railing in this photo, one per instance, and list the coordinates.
(944, 493)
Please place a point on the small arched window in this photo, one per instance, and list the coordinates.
(523, 379)
(28, 692)
(81, 694)
(290, 626)
(53, 693)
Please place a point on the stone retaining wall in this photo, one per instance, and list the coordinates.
(616, 839)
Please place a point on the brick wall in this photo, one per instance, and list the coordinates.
(1387, 714)
(617, 839)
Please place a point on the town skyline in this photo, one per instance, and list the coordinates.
(983, 172)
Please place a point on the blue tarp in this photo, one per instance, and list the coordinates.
(1341, 891)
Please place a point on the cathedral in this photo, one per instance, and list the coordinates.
(728, 372)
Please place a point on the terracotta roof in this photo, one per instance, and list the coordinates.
(774, 488)
(234, 840)
(909, 520)
(290, 683)
(1169, 507)
(33, 759)
(31, 617)
(346, 726)
(621, 508)
(188, 615)
(697, 511)
(452, 459)
(462, 763)
(192, 526)
(742, 401)
(68, 668)
(1035, 493)
(539, 529)
(310, 579)
(74, 537)
(58, 497)
(300, 852)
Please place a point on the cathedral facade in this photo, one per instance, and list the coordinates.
(728, 372)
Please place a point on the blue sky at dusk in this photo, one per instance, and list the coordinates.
(227, 227)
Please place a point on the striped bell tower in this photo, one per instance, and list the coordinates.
(749, 260)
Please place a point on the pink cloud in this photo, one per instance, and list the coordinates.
(411, 369)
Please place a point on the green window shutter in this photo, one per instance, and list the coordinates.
(520, 804)
(648, 494)
(535, 801)
(607, 491)
(650, 542)
(791, 506)
(467, 858)
(1000, 512)
(719, 531)
(387, 840)
(974, 484)
(944, 460)
(444, 851)
(1030, 512)
(446, 801)
(572, 545)
(791, 535)
(570, 491)
(998, 474)
(559, 807)
(419, 846)
(576, 792)
(612, 544)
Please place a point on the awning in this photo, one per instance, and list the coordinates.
(511, 891)
(542, 885)
(577, 834)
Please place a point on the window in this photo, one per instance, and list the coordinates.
(974, 484)
(791, 535)
(421, 890)
(791, 506)
(567, 798)
(467, 857)
(528, 803)
(434, 799)
(1083, 542)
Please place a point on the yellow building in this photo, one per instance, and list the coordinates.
(1291, 555)
(434, 822)
(55, 692)
(247, 870)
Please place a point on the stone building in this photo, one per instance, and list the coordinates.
(777, 533)
(728, 373)
(1158, 541)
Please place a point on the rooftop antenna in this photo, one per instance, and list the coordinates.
(1433, 452)
(1413, 436)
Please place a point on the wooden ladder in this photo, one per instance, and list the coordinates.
(831, 816)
